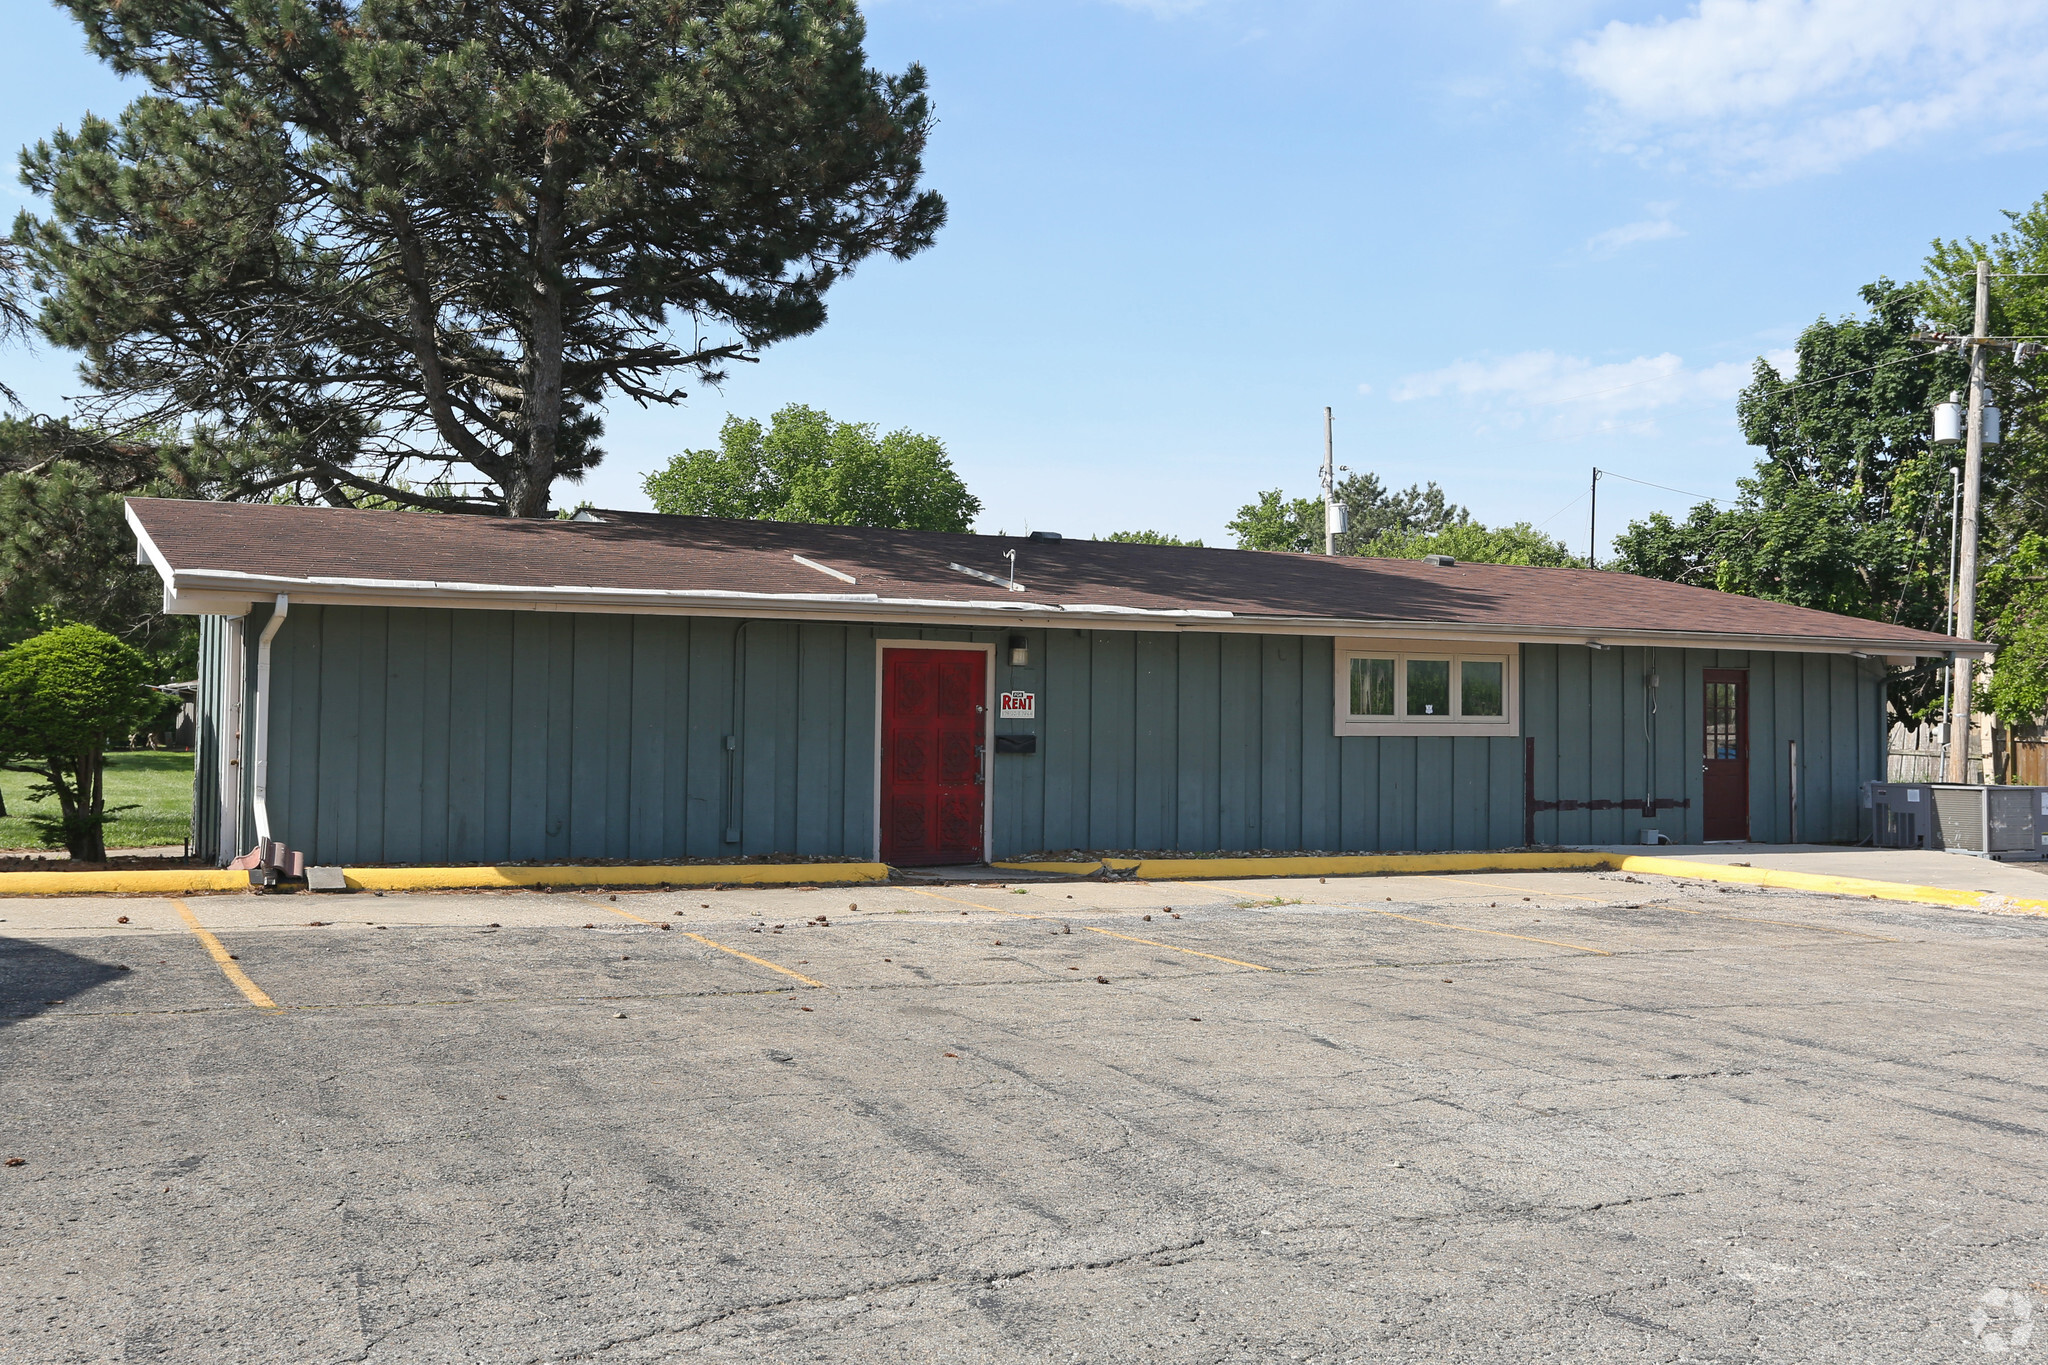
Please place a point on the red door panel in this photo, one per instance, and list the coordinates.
(1725, 754)
(934, 717)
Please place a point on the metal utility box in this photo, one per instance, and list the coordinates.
(1901, 814)
(2007, 823)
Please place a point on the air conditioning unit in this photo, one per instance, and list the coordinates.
(2006, 823)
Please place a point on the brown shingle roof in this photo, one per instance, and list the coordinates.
(330, 554)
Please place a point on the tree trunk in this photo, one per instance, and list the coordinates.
(96, 807)
(534, 481)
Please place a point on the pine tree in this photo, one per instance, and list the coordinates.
(382, 240)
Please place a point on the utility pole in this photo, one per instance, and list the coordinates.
(1966, 569)
(1329, 485)
(1593, 524)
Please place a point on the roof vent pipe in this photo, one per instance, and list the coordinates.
(262, 738)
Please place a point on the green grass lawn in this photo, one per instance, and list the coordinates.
(157, 784)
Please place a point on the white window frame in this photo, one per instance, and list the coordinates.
(1457, 652)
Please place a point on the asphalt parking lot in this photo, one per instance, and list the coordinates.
(1513, 1117)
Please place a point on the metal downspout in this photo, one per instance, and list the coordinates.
(261, 746)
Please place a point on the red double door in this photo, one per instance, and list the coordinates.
(934, 768)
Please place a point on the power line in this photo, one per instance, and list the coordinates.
(1703, 497)
(1560, 511)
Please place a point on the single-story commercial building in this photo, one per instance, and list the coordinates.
(388, 687)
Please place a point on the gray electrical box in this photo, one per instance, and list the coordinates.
(1901, 814)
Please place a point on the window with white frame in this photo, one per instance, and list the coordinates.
(1425, 688)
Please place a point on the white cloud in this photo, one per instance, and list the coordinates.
(1656, 228)
(1569, 395)
(1779, 88)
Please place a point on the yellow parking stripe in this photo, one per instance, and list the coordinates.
(1109, 933)
(758, 961)
(713, 943)
(1176, 947)
(230, 968)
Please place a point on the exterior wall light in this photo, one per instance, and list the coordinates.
(1020, 652)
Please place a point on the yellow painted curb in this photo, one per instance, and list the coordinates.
(726, 874)
(176, 881)
(1360, 865)
(1411, 864)
(159, 880)
(1836, 886)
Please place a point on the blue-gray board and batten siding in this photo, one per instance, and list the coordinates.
(408, 735)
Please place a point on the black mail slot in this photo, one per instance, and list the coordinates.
(1016, 744)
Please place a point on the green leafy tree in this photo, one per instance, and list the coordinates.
(67, 696)
(1471, 543)
(803, 466)
(1847, 508)
(1277, 522)
(1149, 538)
(394, 243)
(2015, 588)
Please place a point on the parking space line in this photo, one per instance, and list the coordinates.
(714, 943)
(758, 961)
(1129, 938)
(627, 914)
(1107, 933)
(230, 968)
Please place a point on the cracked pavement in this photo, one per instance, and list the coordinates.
(1570, 1117)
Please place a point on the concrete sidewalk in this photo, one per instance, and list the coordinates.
(1915, 867)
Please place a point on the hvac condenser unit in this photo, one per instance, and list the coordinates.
(2007, 823)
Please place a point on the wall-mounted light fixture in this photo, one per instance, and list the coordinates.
(1020, 652)
(1595, 644)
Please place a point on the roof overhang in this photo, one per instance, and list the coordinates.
(218, 592)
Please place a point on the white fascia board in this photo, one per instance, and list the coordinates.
(1657, 639)
(872, 606)
(146, 551)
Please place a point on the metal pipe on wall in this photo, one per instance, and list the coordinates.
(735, 786)
(261, 745)
(232, 666)
(1795, 792)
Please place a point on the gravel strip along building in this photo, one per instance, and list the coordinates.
(388, 687)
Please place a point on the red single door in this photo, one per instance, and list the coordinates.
(934, 716)
(1725, 760)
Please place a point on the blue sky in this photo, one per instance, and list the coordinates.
(1505, 241)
